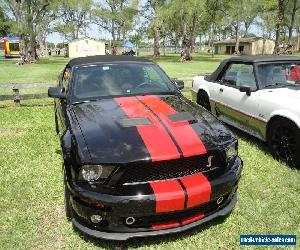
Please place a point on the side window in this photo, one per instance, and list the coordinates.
(240, 75)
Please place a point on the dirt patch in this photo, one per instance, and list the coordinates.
(49, 232)
(11, 133)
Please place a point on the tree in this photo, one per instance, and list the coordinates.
(153, 10)
(7, 26)
(28, 14)
(292, 10)
(116, 16)
(72, 17)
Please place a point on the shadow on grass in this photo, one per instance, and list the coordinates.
(263, 146)
(149, 241)
(47, 61)
(31, 105)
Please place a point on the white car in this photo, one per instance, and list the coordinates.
(260, 96)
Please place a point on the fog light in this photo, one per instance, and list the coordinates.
(95, 218)
(220, 200)
(130, 220)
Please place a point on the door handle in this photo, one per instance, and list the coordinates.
(221, 90)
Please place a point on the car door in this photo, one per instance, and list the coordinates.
(233, 106)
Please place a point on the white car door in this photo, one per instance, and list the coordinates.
(237, 99)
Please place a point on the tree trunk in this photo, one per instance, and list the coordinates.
(280, 17)
(193, 31)
(156, 42)
(237, 40)
(17, 13)
(291, 26)
(247, 26)
(123, 31)
(113, 42)
(186, 45)
(32, 41)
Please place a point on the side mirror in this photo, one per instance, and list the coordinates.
(179, 84)
(245, 89)
(56, 92)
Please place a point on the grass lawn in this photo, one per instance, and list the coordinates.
(31, 200)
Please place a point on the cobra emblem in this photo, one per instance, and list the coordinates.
(209, 165)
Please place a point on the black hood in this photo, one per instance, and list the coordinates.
(126, 129)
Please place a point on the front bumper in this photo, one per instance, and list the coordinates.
(115, 209)
(125, 236)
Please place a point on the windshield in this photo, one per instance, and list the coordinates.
(279, 74)
(118, 79)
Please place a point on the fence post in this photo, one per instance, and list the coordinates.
(16, 94)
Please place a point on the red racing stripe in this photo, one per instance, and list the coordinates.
(192, 219)
(156, 139)
(171, 224)
(198, 189)
(169, 195)
(162, 226)
(182, 131)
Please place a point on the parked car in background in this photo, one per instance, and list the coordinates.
(260, 96)
(139, 158)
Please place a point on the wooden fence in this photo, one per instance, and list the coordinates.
(16, 96)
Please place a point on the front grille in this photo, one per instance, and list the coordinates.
(164, 170)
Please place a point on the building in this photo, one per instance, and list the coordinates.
(85, 47)
(247, 46)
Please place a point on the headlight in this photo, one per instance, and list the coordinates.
(95, 172)
(231, 150)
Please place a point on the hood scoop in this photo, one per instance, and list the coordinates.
(182, 116)
(133, 122)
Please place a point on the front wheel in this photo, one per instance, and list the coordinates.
(283, 140)
(203, 100)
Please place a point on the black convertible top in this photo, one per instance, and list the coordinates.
(255, 59)
(249, 59)
(105, 58)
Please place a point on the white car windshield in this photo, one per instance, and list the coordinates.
(278, 74)
(118, 79)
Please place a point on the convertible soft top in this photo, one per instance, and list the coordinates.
(105, 58)
(249, 59)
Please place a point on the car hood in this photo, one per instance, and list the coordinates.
(137, 128)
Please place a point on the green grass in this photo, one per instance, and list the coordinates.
(45, 70)
(31, 200)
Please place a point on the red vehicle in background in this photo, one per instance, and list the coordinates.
(295, 73)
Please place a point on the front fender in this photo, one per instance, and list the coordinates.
(200, 84)
(287, 114)
(66, 143)
(203, 87)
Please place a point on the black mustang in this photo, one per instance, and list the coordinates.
(139, 158)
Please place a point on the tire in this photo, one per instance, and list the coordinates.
(68, 207)
(284, 141)
(203, 100)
